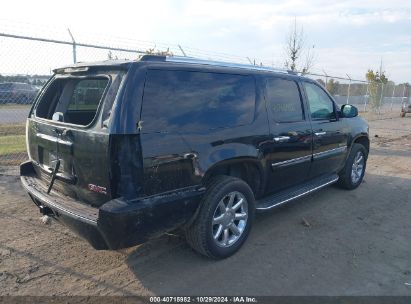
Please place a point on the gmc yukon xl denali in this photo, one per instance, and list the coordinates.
(123, 151)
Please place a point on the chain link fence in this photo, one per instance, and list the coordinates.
(26, 63)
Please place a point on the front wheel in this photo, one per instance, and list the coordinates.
(224, 219)
(353, 172)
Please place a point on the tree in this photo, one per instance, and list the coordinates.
(110, 56)
(332, 86)
(320, 81)
(153, 51)
(376, 83)
(295, 50)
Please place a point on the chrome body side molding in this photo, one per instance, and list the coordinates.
(292, 161)
(329, 153)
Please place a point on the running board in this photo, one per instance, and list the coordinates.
(295, 192)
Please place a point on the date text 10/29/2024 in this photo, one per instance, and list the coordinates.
(209, 299)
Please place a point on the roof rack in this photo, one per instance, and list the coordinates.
(193, 60)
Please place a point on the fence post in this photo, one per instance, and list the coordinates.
(382, 92)
(326, 78)
(74, 46)
(182, 51)
(366, 96)
(392, 98)
(403, 96)
(349, 86)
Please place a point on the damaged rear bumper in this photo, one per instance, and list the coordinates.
(118, 223)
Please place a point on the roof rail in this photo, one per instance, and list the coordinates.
(192, 60)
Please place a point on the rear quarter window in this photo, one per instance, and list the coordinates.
(189, 101)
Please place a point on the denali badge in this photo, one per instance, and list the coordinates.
(97, 189)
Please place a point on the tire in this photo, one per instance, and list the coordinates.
(348, 178)
(211, 215)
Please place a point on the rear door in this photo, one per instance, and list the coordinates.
(289, 153)
(193, 119)
(330, 135)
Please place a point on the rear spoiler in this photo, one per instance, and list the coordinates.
(84, 67)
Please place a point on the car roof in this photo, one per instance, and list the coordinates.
(197, 63)
(186, 62)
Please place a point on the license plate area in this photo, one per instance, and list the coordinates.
(52, 160)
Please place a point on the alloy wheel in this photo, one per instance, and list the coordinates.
(230, 219)
(357, 167)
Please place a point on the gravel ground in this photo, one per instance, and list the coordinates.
(333, 242)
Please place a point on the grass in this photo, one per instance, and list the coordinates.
(12, 144)
(12, 129)
(15, 106)
(12, 139)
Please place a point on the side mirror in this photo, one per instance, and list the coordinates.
(349, 111)
(58, 116)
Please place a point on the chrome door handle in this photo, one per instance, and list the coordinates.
(320, 133)
(281, 138)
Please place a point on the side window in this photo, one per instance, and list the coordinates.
(196, 100)
(284, 100)
(321, 106)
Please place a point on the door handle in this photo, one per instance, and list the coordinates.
(281, 138)
(320, 133)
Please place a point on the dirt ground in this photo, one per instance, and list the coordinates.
(333, 242)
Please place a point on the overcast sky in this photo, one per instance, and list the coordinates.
(349, 36)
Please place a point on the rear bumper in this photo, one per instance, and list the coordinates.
(118, 223)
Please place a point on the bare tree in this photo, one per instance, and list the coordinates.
(295, 49)
(309, 60)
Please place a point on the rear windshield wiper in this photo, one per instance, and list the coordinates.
(57, 166)
(53, 175)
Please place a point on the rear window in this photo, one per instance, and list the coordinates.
(87, 94)
(77, 99)
(196, 100)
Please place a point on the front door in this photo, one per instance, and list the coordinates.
(289, 151)
(330, 134)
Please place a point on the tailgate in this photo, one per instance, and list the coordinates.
(67, 134)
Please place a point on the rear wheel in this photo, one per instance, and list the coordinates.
(224, 219)
(353, 172)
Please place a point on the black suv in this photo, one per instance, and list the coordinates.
(123, 151)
